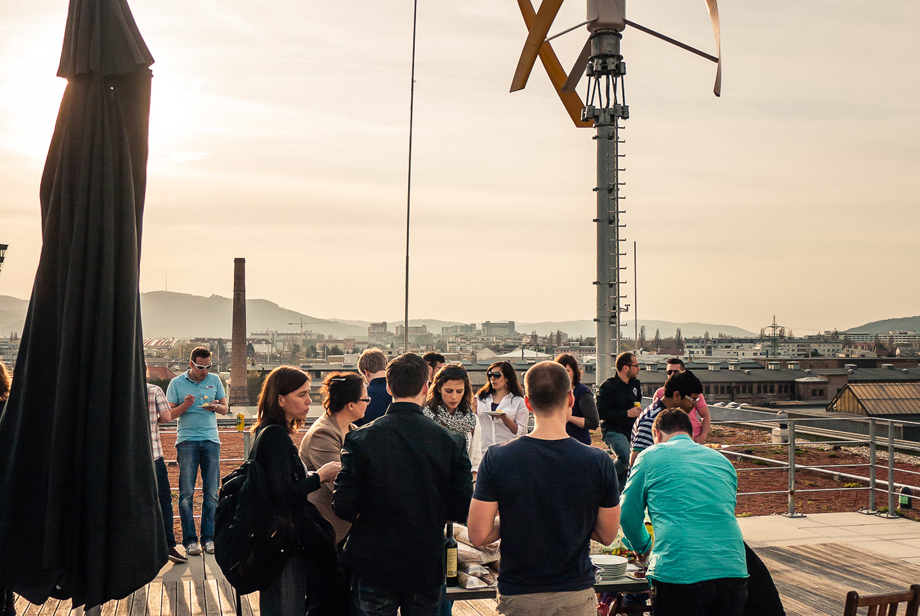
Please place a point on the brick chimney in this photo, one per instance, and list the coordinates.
(239, 391)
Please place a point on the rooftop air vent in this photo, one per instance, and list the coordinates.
(850, 367)
(747, 371)
(904, 370)
(887, 366)
(807, 371)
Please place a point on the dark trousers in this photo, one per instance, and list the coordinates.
(370, 600)
(719, 597)
(165, 496)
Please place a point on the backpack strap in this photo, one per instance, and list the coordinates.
(255, 443)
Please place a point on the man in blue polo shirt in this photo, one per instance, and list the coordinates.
(194, 398)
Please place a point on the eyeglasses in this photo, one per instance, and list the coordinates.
(200, 367)
(670, 372)
(494, 375)
(365, 400)
(633, 365)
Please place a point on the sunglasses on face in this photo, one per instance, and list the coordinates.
(200, 367)
(494, 375)
(365, 400)
(670, 372)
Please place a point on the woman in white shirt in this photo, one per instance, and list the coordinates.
(501, 406)
(449, 403)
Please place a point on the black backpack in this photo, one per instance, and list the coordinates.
(249, 555)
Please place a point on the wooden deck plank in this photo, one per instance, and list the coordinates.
(227, 598)
(30, 609)
(123, 606)
(63, 608)
(486, 607)
(155, 599)
(212, 598)
(139, 601)
(251, 604)
(196, 602)
(176, 594)
(814, 579)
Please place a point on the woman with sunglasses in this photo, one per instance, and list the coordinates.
(584, 416)
(345, 400)
(311, 569)
(500, 403)
(450, 403)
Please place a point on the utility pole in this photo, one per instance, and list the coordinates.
(606, 107)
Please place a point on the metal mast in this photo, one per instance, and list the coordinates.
(606, 106)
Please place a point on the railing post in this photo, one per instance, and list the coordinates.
(791, 512)
(246, 445)
(891, 495)
(873, 435)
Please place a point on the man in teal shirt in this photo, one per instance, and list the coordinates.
(195, 398)
(697, 565)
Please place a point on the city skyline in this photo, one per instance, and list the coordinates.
(279, 134)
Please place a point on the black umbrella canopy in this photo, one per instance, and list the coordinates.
(78, 511)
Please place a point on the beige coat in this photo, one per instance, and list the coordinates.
(322, 444)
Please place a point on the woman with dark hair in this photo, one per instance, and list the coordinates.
(345, 401)
(450, 403)
(307, 577)
(584, 416)
(502, 401)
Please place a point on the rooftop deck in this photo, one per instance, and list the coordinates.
(814, 560)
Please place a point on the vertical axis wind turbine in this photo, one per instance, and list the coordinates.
(601, 61)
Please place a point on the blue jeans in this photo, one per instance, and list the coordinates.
(193, 455)
(165, 497)
(369, 600)
(620, 446)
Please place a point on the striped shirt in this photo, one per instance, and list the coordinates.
(641, 438)
(156, 404)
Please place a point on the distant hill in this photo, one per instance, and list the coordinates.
(181, 315)
(889, 325)
(12, 315)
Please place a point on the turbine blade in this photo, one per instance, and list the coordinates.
(717, 33)
(579, 69)
(593, 11)
(535, 38)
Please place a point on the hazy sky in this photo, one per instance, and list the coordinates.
(279, 134)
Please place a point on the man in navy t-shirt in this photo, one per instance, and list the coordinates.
(554, 494)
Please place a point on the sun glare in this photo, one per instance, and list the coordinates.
(30, 92)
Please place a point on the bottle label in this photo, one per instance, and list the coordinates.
(451, 562)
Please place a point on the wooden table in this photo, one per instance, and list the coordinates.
(620, 584)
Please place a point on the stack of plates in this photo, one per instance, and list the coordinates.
(609, 567)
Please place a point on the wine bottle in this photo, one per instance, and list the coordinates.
(451, 556)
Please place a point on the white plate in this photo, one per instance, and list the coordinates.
(608, 560)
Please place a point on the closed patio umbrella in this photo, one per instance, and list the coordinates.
(78, 511)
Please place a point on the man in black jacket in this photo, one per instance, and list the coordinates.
(403, 477)
(617, 408)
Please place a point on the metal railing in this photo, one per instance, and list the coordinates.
(893, 489)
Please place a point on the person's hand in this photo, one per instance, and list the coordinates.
(633, 412)
(328, 471)
(701, 439)
(190, 399)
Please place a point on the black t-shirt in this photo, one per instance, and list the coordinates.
(614, 400)
(548, 494)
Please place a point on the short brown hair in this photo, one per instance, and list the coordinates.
(372, 360)
(624, 359)
(199, 352)
(280, 382)
(407, 375)
(670, 421)
(566, 359)
(676, 361)
(547, 385)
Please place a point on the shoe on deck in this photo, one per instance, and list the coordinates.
(209, 547)
(176, 557)
(193, 549)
